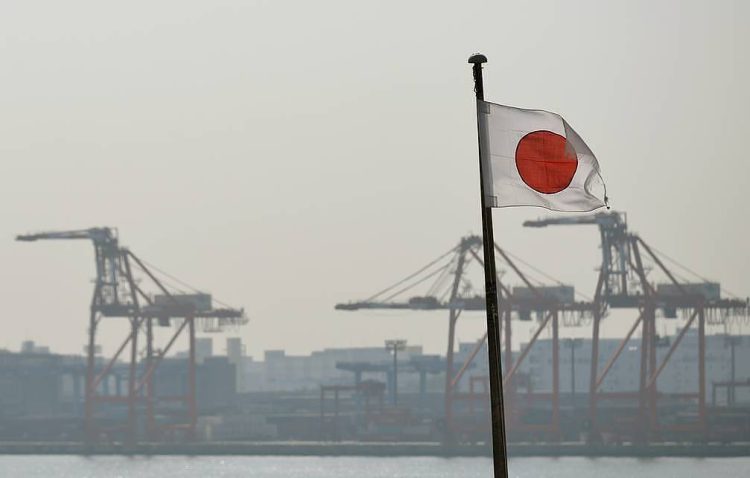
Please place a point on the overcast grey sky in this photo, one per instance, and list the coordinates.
(289, 155)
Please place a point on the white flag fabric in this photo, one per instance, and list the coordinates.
(534, 158)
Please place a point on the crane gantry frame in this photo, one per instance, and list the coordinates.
(117, 293)
(623, 283)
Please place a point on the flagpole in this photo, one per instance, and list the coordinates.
(499, 450)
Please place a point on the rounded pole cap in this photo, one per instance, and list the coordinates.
(477, 58)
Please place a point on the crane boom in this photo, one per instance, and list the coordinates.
(100, 235)
(114, 289)
(604, 219)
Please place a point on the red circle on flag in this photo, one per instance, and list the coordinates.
(546, 161)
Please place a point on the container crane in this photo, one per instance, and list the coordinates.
(623, 283)
(117, 293)
(449, 292)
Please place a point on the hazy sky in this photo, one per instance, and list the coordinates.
(290, 155)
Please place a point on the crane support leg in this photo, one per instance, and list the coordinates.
(672, 348)
(192, 406)
(150, 371)
(150, 419)
(593, 431)
(703, 422)
(555, 377)
(453, 315)
(642, 422)
(90, 433)
(510, 392)
(132, 396)
(469, 360)
(509, 376)
(618, 351)
(651, 391)
(448, 374)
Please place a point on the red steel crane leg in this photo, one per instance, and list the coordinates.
(192, 408)
(702, 374)
(555, 377)
(90, 433)
(132, 395)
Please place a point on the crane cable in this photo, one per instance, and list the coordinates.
(410, 276)
(423, 279)
(689, 270)
(183, 283)
(544, 274)
(440, 281)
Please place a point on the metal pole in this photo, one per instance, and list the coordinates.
(573, 370)
(499, 453)
(731, 389)
(336, 414)
(395, 376)
(322, 412)
(395, 346)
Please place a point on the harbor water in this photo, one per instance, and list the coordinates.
(30, 466)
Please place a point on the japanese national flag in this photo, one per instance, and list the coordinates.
(534, 158)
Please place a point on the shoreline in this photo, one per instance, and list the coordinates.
(376, 449)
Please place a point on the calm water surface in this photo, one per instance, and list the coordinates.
(325, 467)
